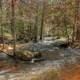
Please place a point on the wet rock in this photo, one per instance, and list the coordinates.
(28, 55)
(63, 45)
(3, 56)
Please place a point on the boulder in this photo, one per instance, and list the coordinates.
(27, 55)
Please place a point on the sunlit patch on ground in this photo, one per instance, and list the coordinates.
(6, 48)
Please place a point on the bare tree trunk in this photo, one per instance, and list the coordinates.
(35, 31)
(13, 30)
(36, 27)
(64, 20)
(42, 24)
(77, 19)
(2, 29)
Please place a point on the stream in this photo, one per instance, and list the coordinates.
(67, 58)
(58, 64)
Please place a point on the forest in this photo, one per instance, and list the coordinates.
(39, 39)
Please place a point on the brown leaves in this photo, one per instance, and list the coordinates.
(68, 75)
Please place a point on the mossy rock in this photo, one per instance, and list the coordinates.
(27, 55)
